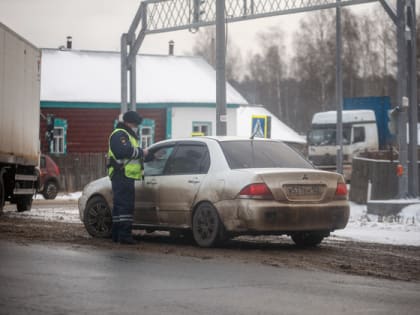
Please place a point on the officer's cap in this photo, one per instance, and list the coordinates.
(132, 117)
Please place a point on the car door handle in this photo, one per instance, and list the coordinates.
(151, 182)
(193, 181)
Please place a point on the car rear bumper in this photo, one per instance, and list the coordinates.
(272, 216)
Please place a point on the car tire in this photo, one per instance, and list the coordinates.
(50, 190)
(307, 239)
(207, 229)
(97, 218)
(24, 203)
(2, 194)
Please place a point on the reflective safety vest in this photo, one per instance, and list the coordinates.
(132, 167)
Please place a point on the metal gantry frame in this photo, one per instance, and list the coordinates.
(160, 16)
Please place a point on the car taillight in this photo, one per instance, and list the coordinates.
(256, 191)
(341, 190)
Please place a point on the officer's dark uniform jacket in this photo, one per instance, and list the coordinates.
(124, 168)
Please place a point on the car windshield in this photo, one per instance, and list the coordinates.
(262, 154)
(323, 136)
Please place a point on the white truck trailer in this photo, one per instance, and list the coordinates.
(20, 64)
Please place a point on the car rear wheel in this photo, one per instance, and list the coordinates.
(50, 190)
(97, 218)
(206, 226)
(307, 239)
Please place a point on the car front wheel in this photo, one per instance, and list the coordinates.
(50, 190)
(307, 239)
(97, 218)
(206, 226)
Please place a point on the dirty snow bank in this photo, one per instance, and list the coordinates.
(403, 229)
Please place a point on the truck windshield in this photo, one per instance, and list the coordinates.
(323, 136)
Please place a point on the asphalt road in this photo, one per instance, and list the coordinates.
(69, 279)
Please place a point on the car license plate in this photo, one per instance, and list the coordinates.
(304, 190)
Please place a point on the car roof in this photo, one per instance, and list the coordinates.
(213, 138)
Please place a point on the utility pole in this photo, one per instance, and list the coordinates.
(221, 118)
(413, 174)
(402, 100)
(339, 90)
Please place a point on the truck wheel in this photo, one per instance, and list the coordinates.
(1, 194)
(307, 239)
(97, 218)
(24, 203)
(50, 190)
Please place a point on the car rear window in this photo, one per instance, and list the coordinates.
(262, 154)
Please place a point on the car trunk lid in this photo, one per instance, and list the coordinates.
(300, 185)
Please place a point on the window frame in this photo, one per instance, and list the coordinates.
(189, 143)
(200, 124)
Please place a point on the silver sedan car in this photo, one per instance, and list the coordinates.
(215, 188)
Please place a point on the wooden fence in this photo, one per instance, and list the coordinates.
(380, 171)
(78, 169)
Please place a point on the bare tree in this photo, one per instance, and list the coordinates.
(268, 69)
(205, 46)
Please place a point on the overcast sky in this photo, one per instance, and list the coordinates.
(98, 25)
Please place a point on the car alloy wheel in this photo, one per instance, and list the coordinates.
(206, 225)
(98, 218)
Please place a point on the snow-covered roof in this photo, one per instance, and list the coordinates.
(330, 117)
(92, 76)
(279, 130)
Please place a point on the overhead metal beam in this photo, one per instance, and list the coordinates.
(392, 12)
(169, 15)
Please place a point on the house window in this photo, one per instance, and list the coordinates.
(146, 137)
(147, 132)
(202, 128)
(58, 145)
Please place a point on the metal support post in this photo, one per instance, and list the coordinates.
(124, 72)
(339, 91)
(220, 69)
(402, 93)
(133, 80)
(413, 174)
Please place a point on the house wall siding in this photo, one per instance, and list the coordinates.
(88, 129)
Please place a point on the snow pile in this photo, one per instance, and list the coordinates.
(63, 196)
(55, 214)
(403, 229)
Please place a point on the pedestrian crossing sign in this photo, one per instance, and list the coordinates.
(261, 126)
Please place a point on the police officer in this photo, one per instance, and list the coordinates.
(124, 167)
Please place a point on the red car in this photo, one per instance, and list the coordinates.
(50, 177)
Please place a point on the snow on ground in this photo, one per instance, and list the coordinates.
(63, 196)
(403, 229)
(61, 209)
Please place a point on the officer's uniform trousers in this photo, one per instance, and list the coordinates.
(122, 212)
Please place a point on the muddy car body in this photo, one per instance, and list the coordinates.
(220, 187)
